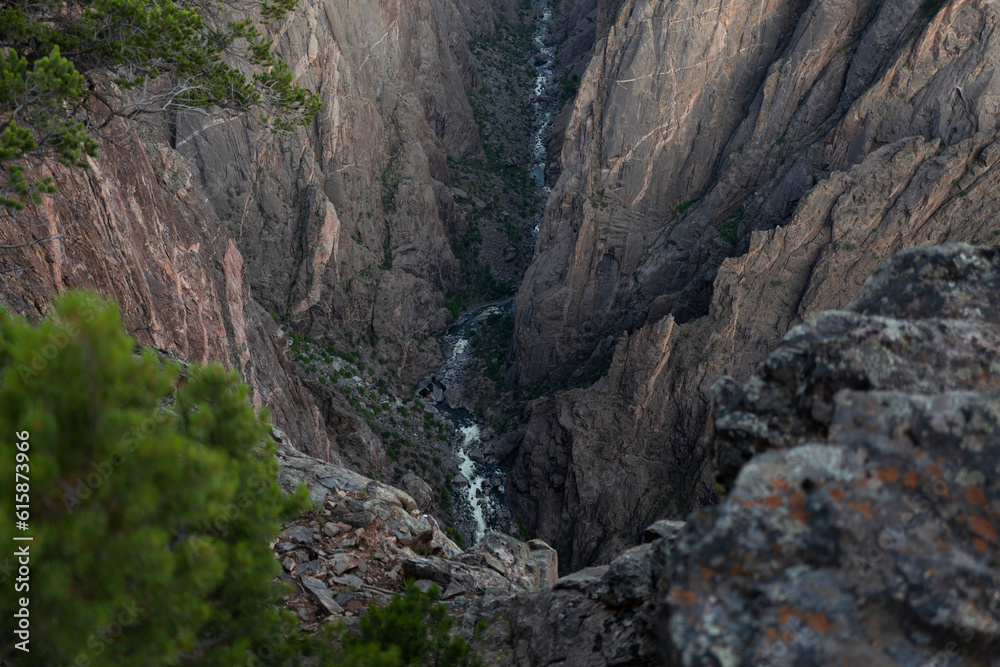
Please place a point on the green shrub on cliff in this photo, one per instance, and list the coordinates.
(415, 629)
(67, 69)
(152, 499)
(150, 496)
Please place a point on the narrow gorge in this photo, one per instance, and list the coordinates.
(595, 310)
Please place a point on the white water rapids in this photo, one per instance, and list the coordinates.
(543, 115)
(479, 494)
(473, 492)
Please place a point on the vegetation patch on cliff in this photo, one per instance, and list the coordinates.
(407, 431)
(500, 199)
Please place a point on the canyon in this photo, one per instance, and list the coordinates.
(728, 170)
(687, 209)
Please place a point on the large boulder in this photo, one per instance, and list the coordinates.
(419, 489)
(925, 322)
(863, 528)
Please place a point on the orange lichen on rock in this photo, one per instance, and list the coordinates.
(889, 474)
(817, 621)
(865, 508)
(785, 613)
(798, 501)
(975, 495)
(683, 597)
(983, 527)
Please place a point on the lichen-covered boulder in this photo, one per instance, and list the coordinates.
(864, 527)
(927, 321)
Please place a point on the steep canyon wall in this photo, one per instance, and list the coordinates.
(206, 228)
(347, 226)
(728, 169)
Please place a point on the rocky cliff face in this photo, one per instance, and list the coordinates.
(135, 228)
(862, 527)
(728, 171)
(200, 227)
(346, 227)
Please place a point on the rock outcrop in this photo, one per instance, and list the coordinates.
(862, 528)
(602, 615)
(368, 538)
(925, 323)
(730, 170)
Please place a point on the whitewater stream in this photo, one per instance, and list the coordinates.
(481, 503)
(543, 113)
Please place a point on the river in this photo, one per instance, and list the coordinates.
(543, 112)
(481, 504)
(480, 499)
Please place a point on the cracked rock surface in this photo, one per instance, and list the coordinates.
(863, 528)
(861, 523)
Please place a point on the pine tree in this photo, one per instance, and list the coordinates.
(415, 629)
(152, 496)
(67, 69)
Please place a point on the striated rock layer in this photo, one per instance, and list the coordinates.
(728, 170)
(347, 226)
(133, 228)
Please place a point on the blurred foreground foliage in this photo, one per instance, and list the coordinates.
(153, 495)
